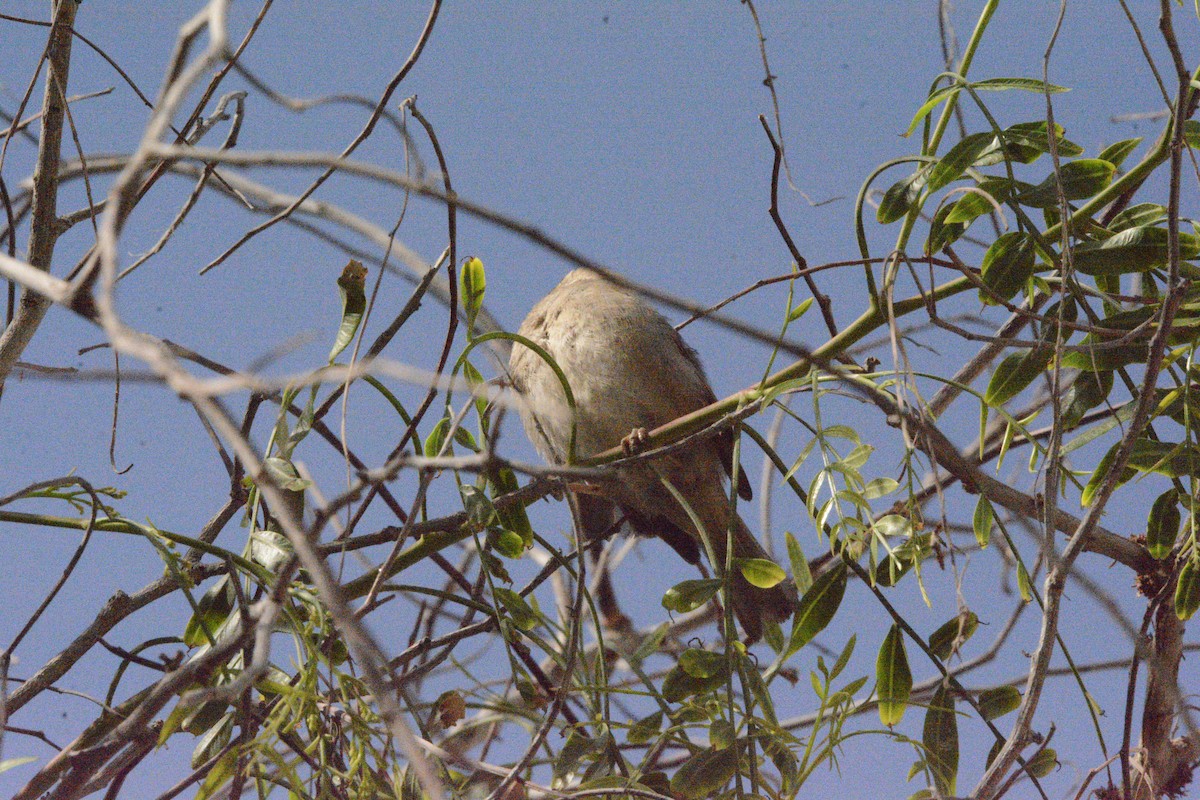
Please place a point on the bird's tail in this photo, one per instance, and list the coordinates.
(753, 606)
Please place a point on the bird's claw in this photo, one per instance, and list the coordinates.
(635, 442)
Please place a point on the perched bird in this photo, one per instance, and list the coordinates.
(630, 371)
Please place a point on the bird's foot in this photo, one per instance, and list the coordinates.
(635, 442)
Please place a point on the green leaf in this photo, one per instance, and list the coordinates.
(952, 635)
(578, 746)
(284, 475)
(645, 729)
(1088, 390)
(512, 517)
(995, 703)
(880, 487)
(507, 543)
(477, 385)
(760, 692)
(857, 457)
(1191, 133)
(1112, 357)
(1024, 84)
(678, 685)
(893, 679)
(786, 764)
(473, 282)
(215, 736)
(817, 606)
(982, 521)
(773, 636)
(436, 438)
(890, 570)
(1175, 460)
(211, 612)
(1007, 264)
(1137, 249)
(1117, 152)
(1024, 584)
(480, 511)
(1187, 592)
(522, 615)
(703, 663)
(958, 159)
(800, 570)
(690, 595)
(974, 204)
(1025, 142)
(705, 773)
(219, 774)
(1137, 216)
(931, 102)
(843, 658)
(761, 572)
(1163, 525)
(722, 734)
(650, 644)
(940, 737)
(270, 549)
(1079, 179)
(941, 233)
(1043, 762)
(899, 198)
(1016, 372)
(992, 84)
(799, 311)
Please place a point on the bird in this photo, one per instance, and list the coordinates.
(630, 371)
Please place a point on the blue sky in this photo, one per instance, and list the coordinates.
(628, 131)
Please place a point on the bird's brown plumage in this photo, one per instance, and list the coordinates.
(629, 369)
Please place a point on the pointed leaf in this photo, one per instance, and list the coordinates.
(703, 663)
(1163, 525)
(800, 570)
(1137, 216)
(893, 679)
(982, 521)
(818, 605)
(1025, 142)
(705, 773)
(942, 233)
(1007, 264)
(1079, 179)
(1132, 250)
(678, 685)
(1116, 153)
(1016, 372)
(690, 595)
(799, 311)
(899, 198)
(995, 703)
(524, 617)
(1024, 583)
(1088, 390)
(952, 635)
(958, 159)
(473, 284)
(1043, 762)
(975, 204)
(1187, 592)
(940, 737)
(645, 729)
